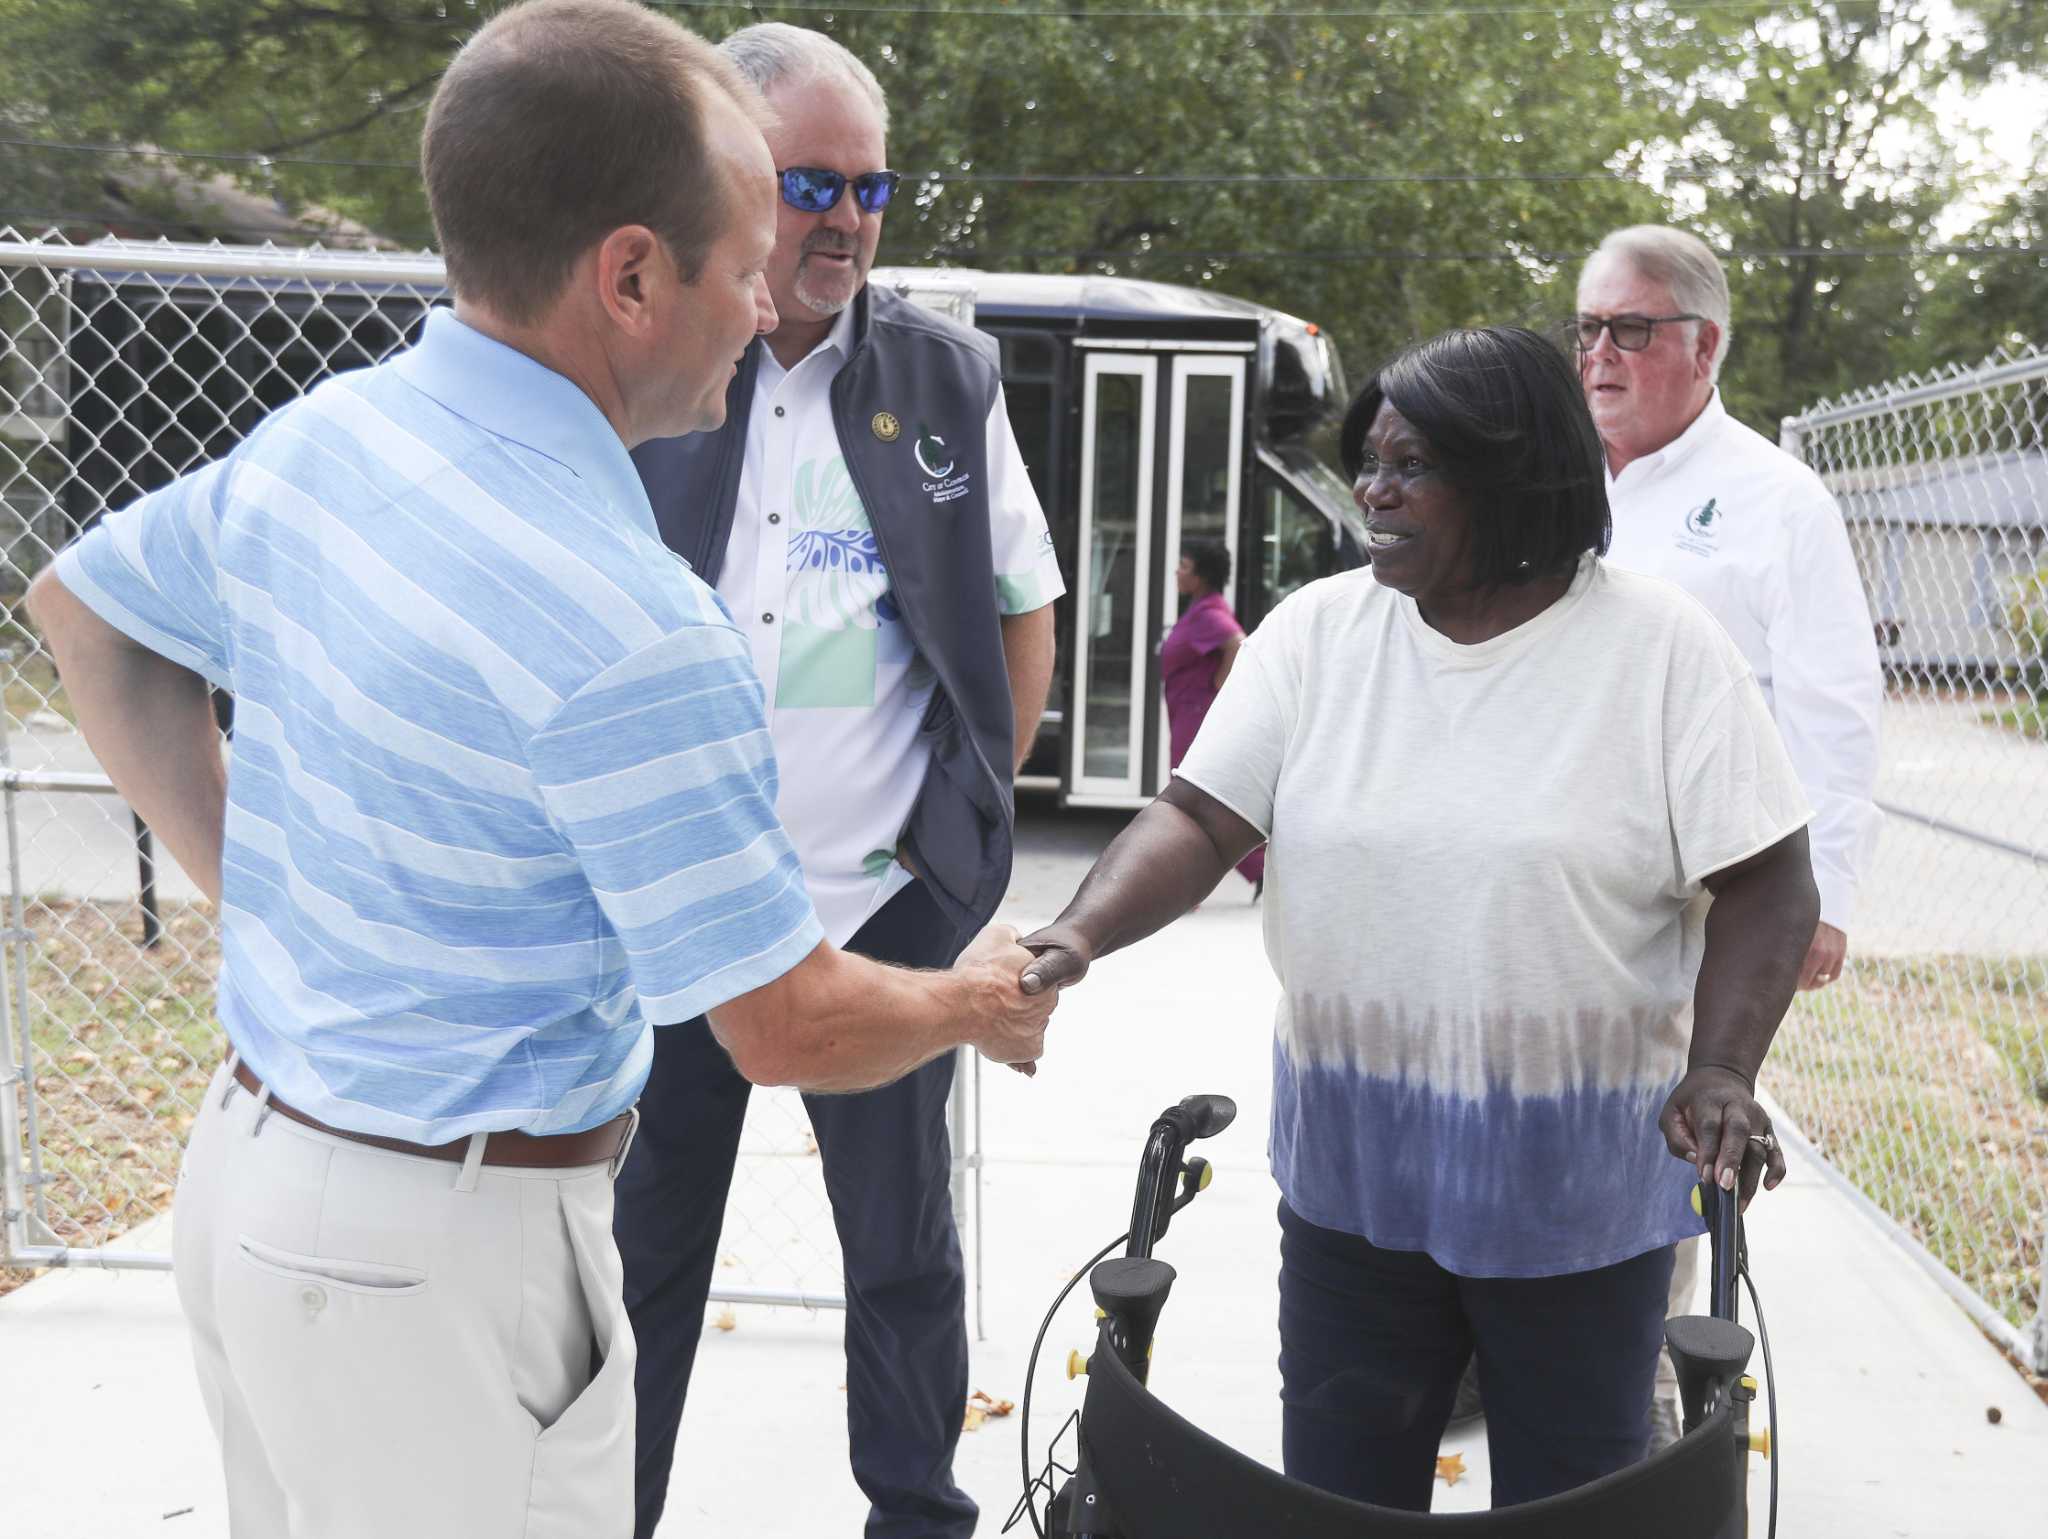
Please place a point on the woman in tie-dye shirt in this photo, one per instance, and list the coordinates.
(1500, 781)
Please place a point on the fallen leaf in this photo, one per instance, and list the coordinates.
(973, 1420)
(988, 1405)
(727, 1320)
(729, 1259)
(1450, 1468)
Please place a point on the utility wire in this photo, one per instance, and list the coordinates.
(1029, 179)
(1080, 10)
(198, 224)
(230, 157)
(1165, 253)
(968, 254)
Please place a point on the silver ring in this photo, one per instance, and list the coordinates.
(1769, 1141)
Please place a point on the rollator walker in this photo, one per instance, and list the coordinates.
(1142, 1471)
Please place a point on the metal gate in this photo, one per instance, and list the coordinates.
(1922, 1073)
(123, 365)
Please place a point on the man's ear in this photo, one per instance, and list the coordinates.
(1705, 347)
(631, 264)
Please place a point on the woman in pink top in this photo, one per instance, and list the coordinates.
(1195, 659)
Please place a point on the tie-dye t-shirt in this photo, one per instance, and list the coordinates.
(1484, 905)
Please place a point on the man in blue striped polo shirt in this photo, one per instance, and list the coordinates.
(501, 790)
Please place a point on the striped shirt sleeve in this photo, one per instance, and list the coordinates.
(151, 571)
(660, 774)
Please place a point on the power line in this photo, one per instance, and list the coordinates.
(1029, 179)
(230, 157)
(967, 254)
(198, 224)
(1081, 11)
(1061, 254)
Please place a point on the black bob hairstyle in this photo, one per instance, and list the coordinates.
(1211, 561)
(1507, 417)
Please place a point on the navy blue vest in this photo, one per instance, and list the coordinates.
(911, 408)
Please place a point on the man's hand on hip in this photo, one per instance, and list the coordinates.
(1823, 964)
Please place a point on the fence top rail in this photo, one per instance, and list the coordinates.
(309, 264)
(1903, 395)
(85, 781)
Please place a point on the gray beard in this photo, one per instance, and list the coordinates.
(819, 303)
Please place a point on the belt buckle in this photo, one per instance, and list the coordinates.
(625, 1141)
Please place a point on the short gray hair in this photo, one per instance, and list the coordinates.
(773, 54)
(1684, 264)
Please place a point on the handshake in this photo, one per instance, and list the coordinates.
(1015, 984)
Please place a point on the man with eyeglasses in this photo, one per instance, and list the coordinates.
(1701, 500)
(866, 516)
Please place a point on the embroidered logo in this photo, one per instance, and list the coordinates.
(885, 426)
(932, 457)
(944, 479)
(1703, 528)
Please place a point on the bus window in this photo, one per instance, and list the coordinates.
(1030, 386)
(1209, 454)
(1297, 543)
(1031, 419)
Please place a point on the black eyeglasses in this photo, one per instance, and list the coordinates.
(1631, 333)
(813, 190)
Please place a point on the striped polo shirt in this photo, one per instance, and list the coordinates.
(501, 787)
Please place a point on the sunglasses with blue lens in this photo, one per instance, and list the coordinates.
(813, 191)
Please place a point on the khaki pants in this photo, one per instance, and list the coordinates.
(395, 1346)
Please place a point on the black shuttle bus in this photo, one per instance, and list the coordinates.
(1148, 415)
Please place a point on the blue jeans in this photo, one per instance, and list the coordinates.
(1373, 1342)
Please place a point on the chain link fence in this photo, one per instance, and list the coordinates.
(1922, 1073)
(122, 366)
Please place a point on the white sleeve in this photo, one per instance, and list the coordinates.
(1027, 570)
(1238, 753)
(1733, 791)
(1826, 693)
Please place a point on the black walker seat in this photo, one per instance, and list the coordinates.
(1162, 1477)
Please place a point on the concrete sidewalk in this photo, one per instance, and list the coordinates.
(1883, 1384)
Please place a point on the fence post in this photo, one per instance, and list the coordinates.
(13, 1190)
(2038, 1342)
(22, 1225)
(145, 872)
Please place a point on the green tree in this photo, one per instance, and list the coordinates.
(1387, 175)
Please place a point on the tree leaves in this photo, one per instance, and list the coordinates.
(1807, 129)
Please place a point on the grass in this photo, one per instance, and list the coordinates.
(27, 675)
(124, 1043)
(2028, 721)
(1926, 1082)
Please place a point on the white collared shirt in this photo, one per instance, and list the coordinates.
(846, 688)
(1752, 533)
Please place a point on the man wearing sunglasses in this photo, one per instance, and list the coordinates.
(866, 516)
(1701, 500)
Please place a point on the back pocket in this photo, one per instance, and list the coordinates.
(371, 1277)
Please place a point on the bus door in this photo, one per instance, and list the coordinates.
(1205, 432)
(1113, 579)
(1162, 462)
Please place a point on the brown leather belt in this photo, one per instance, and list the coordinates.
(605, 1144)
